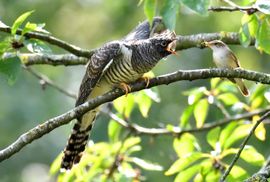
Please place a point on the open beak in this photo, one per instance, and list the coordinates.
(171, 47)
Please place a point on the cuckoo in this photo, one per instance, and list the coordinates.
(116, 64)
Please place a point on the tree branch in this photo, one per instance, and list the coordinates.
(47, 81)
(177, 131)
(183, 42)
(53, 123)
(53, 41)
(242, 146)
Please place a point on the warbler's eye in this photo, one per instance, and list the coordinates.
(163, 43)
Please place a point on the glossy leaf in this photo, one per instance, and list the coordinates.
(237, 174)
(260, 132)
(183, 163)
(169, 13)
(185, 145)
(199, 6)
(18, 22)
(239, 133)
(144, 102)
(149, 9)
(263, 39)
(186, 175)
(213, 136)
(252, 156)
(226, 132)
(214, 82)
(228, 98)
(10, 68)
(184, 118)
(114, 129)
(200, 112)
(124, 105)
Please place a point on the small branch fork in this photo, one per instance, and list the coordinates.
(65, 118)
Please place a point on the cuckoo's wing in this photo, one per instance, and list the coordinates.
(98, 62)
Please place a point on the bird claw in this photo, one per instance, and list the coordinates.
(125, 87)
(146, 80)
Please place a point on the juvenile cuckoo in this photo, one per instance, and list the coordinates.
(116, 64)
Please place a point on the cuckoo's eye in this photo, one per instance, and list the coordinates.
(164, 43)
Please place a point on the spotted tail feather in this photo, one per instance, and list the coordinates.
(75, 146)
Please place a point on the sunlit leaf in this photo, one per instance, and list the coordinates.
(200, 112)
(244, 37)
(195, 94)
(183, 163)
(252, 156)
(144, 103)
(228, 98)
(55, 166)
(10, 68)
(199, 6)
(237, 174)
(19, 21)
(186, 175)
(184, 118)
(263, 6)
(114, 129)
(239, 133)
(185, 145)
(29, 27)
(130, 142)
(146, 164)
(213, 136)
(214, 82)
(263, 39)
(149, 9)
(260, 132)
(226, 132)
(124, 105)
(169, 13)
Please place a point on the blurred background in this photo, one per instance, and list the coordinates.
(89, 24)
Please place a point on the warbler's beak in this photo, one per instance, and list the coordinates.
(171, 47)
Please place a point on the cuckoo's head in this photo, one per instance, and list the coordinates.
(164, 43)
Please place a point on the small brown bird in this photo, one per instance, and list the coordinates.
(224, 58)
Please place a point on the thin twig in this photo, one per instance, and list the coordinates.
(242, 146)
(49, 82)
(60, 120)
(222, 108)
(53, 41)
(177, 130)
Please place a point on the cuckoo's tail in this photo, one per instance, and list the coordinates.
(242, 87)
(75, 146)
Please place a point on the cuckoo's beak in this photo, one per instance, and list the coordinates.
(171, 47)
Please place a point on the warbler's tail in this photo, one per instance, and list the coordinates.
(242, 87)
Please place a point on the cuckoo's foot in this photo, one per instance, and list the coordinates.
(125, 87)
(146, 79)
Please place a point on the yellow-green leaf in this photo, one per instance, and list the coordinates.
(200, 112)
(19, 21)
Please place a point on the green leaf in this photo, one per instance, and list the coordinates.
(239, 133)
(124, 105)
(200, 112)
(149, 9)
(130, 142)
(55, 166)
(184, 162)
(169, 13)
(263, 39)
(186, 175)
(213, 136)
(237, 174)
(214, 82)
(253, 25)
(10, 68)
(185, 145)
(226, 132)
(146, 165)
(244, 37)
(199, 6)
(114, 129)
(263, 6)
(37, 46)
(4, 46)
(195, 94)
(228, 98)
(186, 115)
(18, 22)
(144, 102)
(252, 156)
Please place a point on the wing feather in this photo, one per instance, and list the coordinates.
(98, 62)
